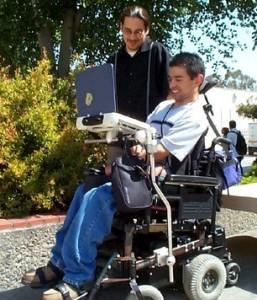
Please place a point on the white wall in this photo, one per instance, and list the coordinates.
(224, 105)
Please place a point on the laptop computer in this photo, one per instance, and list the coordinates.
(95, 91)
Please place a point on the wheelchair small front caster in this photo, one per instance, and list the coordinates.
(148, 291)
(233, 273)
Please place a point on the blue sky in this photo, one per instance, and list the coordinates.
(244, 60)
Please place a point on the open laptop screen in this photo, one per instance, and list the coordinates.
(95, 90)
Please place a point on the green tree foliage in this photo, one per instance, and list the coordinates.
(41, 159)
(250, 177)
(237, 80)
(89, 29)
(249, 110)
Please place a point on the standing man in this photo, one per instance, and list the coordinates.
(237, 140)
(141, 66)
(141, 70)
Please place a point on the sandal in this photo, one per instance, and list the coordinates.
(45, 276)
(65, 291)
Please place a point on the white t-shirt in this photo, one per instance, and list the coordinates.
(180, 127)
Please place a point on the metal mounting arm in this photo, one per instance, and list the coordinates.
(114, 124)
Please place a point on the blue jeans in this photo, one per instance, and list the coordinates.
(88, 222)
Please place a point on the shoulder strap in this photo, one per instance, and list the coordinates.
(115, 78)
(148, 79)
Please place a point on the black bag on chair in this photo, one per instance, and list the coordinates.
(131, 184)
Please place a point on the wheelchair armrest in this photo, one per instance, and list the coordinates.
(191, 180)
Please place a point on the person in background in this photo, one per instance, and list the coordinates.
(233, 136)
(138, 58)
(141, 70)
(224, 131)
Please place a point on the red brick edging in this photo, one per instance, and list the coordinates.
(31, 221)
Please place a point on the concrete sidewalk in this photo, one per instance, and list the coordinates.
(243, 248)
(241, 197)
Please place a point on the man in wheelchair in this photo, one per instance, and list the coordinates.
(180, 123)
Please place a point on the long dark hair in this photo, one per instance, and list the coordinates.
(137, 12)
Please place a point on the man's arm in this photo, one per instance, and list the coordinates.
(160, 154)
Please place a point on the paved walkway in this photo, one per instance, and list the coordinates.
(243, 248)
(241, 197)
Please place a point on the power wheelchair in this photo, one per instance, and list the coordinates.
(174, 241)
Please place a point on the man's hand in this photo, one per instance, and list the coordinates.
(108, 170)
(139, 151)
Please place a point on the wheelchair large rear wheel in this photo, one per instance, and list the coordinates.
(149, 292)
(204, 277)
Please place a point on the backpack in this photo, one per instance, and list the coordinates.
(241, 146)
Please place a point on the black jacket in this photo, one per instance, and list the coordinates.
(131, 79)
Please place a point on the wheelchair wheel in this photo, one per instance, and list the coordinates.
(204, 277)
(149, 292)
(233, 272)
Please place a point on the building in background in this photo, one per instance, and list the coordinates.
(224, 103)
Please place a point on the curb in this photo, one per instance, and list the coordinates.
(31, 221)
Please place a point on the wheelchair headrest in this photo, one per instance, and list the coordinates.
(208, 83)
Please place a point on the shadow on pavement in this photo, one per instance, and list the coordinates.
(21, 293)
(244, 252)
(27, 293)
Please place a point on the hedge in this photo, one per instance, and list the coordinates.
(41, 152)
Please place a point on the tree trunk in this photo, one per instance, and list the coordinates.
(66, 43)
(45, 43)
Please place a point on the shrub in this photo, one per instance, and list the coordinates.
(41, 159)
(251, 177)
